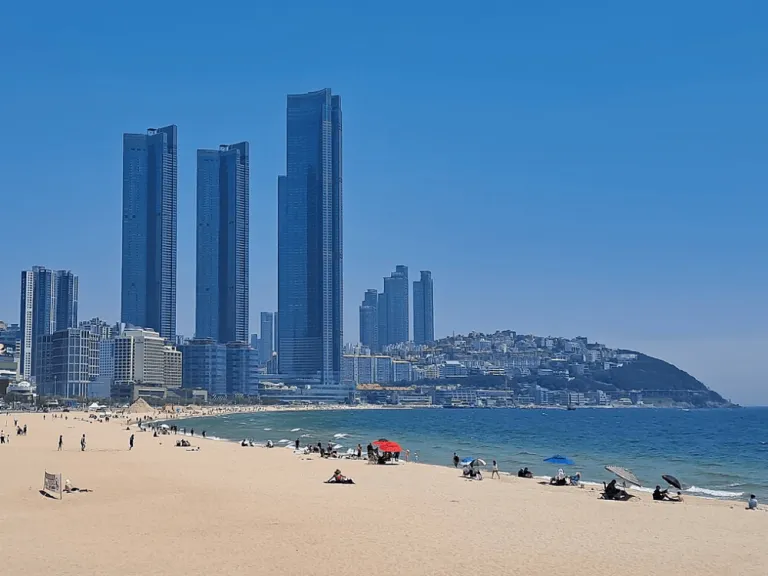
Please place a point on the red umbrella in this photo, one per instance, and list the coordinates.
(388, 446)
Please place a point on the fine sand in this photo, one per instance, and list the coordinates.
(225, 509)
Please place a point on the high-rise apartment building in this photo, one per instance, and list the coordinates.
(267, 341)
(310, 293)
(221, 310)
(148, 291)
(369, 320)
(423, 309)
(67, 363)
(204, 366)
(382, 330)
(396, 296)
(48, 305)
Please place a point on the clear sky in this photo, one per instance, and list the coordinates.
(590, 168)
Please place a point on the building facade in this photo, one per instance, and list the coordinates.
(204, 366)
(369, 320)
(171, 367)
(48, 305)
(267, 341)
(397, 309)
(148, 290)
(222, 287)
(242, 369)
(310, 292)
(423, 309)
(68, 362)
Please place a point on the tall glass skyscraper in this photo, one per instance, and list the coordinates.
(309, 245)
(423, 309)
(369, 320)
(48, 305)
(221, 310)
(396, 295)
(267, 341)
(148, 292)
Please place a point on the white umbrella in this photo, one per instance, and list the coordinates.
(165, 426)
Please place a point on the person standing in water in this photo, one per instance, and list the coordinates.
(297, 443)
(455, 460)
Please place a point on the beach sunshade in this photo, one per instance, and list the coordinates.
(560, 460)
(467, 461)
(624, 474)
(672, 481)
(388, 446)
(164, 426)
(478, 462)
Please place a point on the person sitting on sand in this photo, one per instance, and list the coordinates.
(339, 478)
(558, 479)
(752, 502)
(466, 471)
(659, 494)
(525, 473)
(575, 480)
(678, 498)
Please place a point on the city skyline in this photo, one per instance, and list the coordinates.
(602, 184)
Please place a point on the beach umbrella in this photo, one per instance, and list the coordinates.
(672, 481)
(560, 460)
(624, 474)
(164, 426)
(467, 461)
(477, 462)
(388, 446)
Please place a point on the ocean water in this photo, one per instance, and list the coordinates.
(714, 453)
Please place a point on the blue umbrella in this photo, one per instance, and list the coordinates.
(467, 461)
(558, 459)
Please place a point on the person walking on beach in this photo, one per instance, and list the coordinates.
(130, 443)
(455, 460)
(82, 443)
(61, 442)
(495, 470)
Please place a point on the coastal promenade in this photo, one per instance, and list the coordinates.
(226, 509)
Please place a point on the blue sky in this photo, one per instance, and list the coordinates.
(591, 169)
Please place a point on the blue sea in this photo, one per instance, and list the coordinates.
(714, 453)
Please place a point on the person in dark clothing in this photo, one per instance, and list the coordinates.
(61, 442)
(130, 443)
(659, 494)
(455, 460)
(297, 443)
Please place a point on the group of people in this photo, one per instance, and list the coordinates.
(661, 495)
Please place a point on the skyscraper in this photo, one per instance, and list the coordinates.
(48, 304)
(423, 309)
(266, 343)
(221, 310)
(148, 292)
(309, 250)
(382, 330)
(369, 320)
(396, 296)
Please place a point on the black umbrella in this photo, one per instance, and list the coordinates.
(672, 481)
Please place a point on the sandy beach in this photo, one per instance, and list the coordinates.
(225, 509)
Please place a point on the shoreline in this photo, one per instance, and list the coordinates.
(705, 494)
(221, 508)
